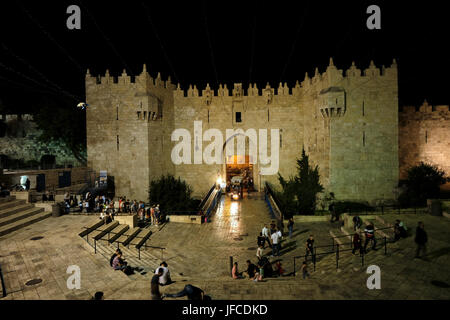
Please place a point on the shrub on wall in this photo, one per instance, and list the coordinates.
(423, 182)
(173, 195)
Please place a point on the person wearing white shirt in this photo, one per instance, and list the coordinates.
(275, 243)
(266, 235)
(165, 277)
(259, 252)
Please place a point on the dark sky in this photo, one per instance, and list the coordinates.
(217, 41)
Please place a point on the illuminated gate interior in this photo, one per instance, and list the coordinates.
(233, 168)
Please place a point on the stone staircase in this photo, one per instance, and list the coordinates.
(105, 239)
(16, 214)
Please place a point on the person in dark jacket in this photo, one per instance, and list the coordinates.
(332, 211)
(399, 230)
(421, 239)
(261, 240)
(291, 226)
(357, 222)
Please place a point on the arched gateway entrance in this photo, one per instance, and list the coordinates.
(236, 164)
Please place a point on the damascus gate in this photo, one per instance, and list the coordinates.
(347, 121)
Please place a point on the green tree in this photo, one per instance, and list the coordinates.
(423, 182)
(299, 193)
(63, 121)
(172, 194)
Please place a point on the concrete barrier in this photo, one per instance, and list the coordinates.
(185, 219)
(48, 206)
(304, 219)
(130, 220)
(22, 195)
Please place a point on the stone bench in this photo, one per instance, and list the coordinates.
(144, 239)
(118, 232)
(91, 228)
(102, 231)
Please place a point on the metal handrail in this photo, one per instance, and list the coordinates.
(338, 251)
(344, 236)
(122, 242)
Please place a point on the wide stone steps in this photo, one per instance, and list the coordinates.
(14, 209)
(348, 262)
(107, 238)
(19, 216)
(16, 214)
(10, 203)
(130, 255)
(24, 222)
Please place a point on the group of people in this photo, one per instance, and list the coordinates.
(257, 272)
(400, 231)
(108, 207)
(162, 278)
(273, 237)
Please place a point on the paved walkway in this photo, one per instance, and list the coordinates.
(199, 254)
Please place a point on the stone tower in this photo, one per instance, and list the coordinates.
(128, 120)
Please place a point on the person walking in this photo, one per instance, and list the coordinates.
(332, 211)
(275, 240)
(309, 246)
(266, 235)
(357, 222)
(421, 239)
(356, 242)
(261, 240)
(155, 294)
(260, 252)
(370, 236)
(304, 270)
(152, 215)
(291, 226)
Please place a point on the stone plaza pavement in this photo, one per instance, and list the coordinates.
(199, 255)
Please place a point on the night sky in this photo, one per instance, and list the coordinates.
(195, 42)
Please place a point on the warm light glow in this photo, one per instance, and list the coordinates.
(234, 208)
(219, 181)
(235, 196)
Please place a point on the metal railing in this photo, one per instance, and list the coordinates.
(127, 244)
(337, 250)
(388, 209)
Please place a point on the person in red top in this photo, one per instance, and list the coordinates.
(356, 242)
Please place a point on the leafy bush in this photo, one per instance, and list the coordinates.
(172, 195)
(423, 182)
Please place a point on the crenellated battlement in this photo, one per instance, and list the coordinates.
(330, 77)
(236, 91)
(426, 108)
(126, 79)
